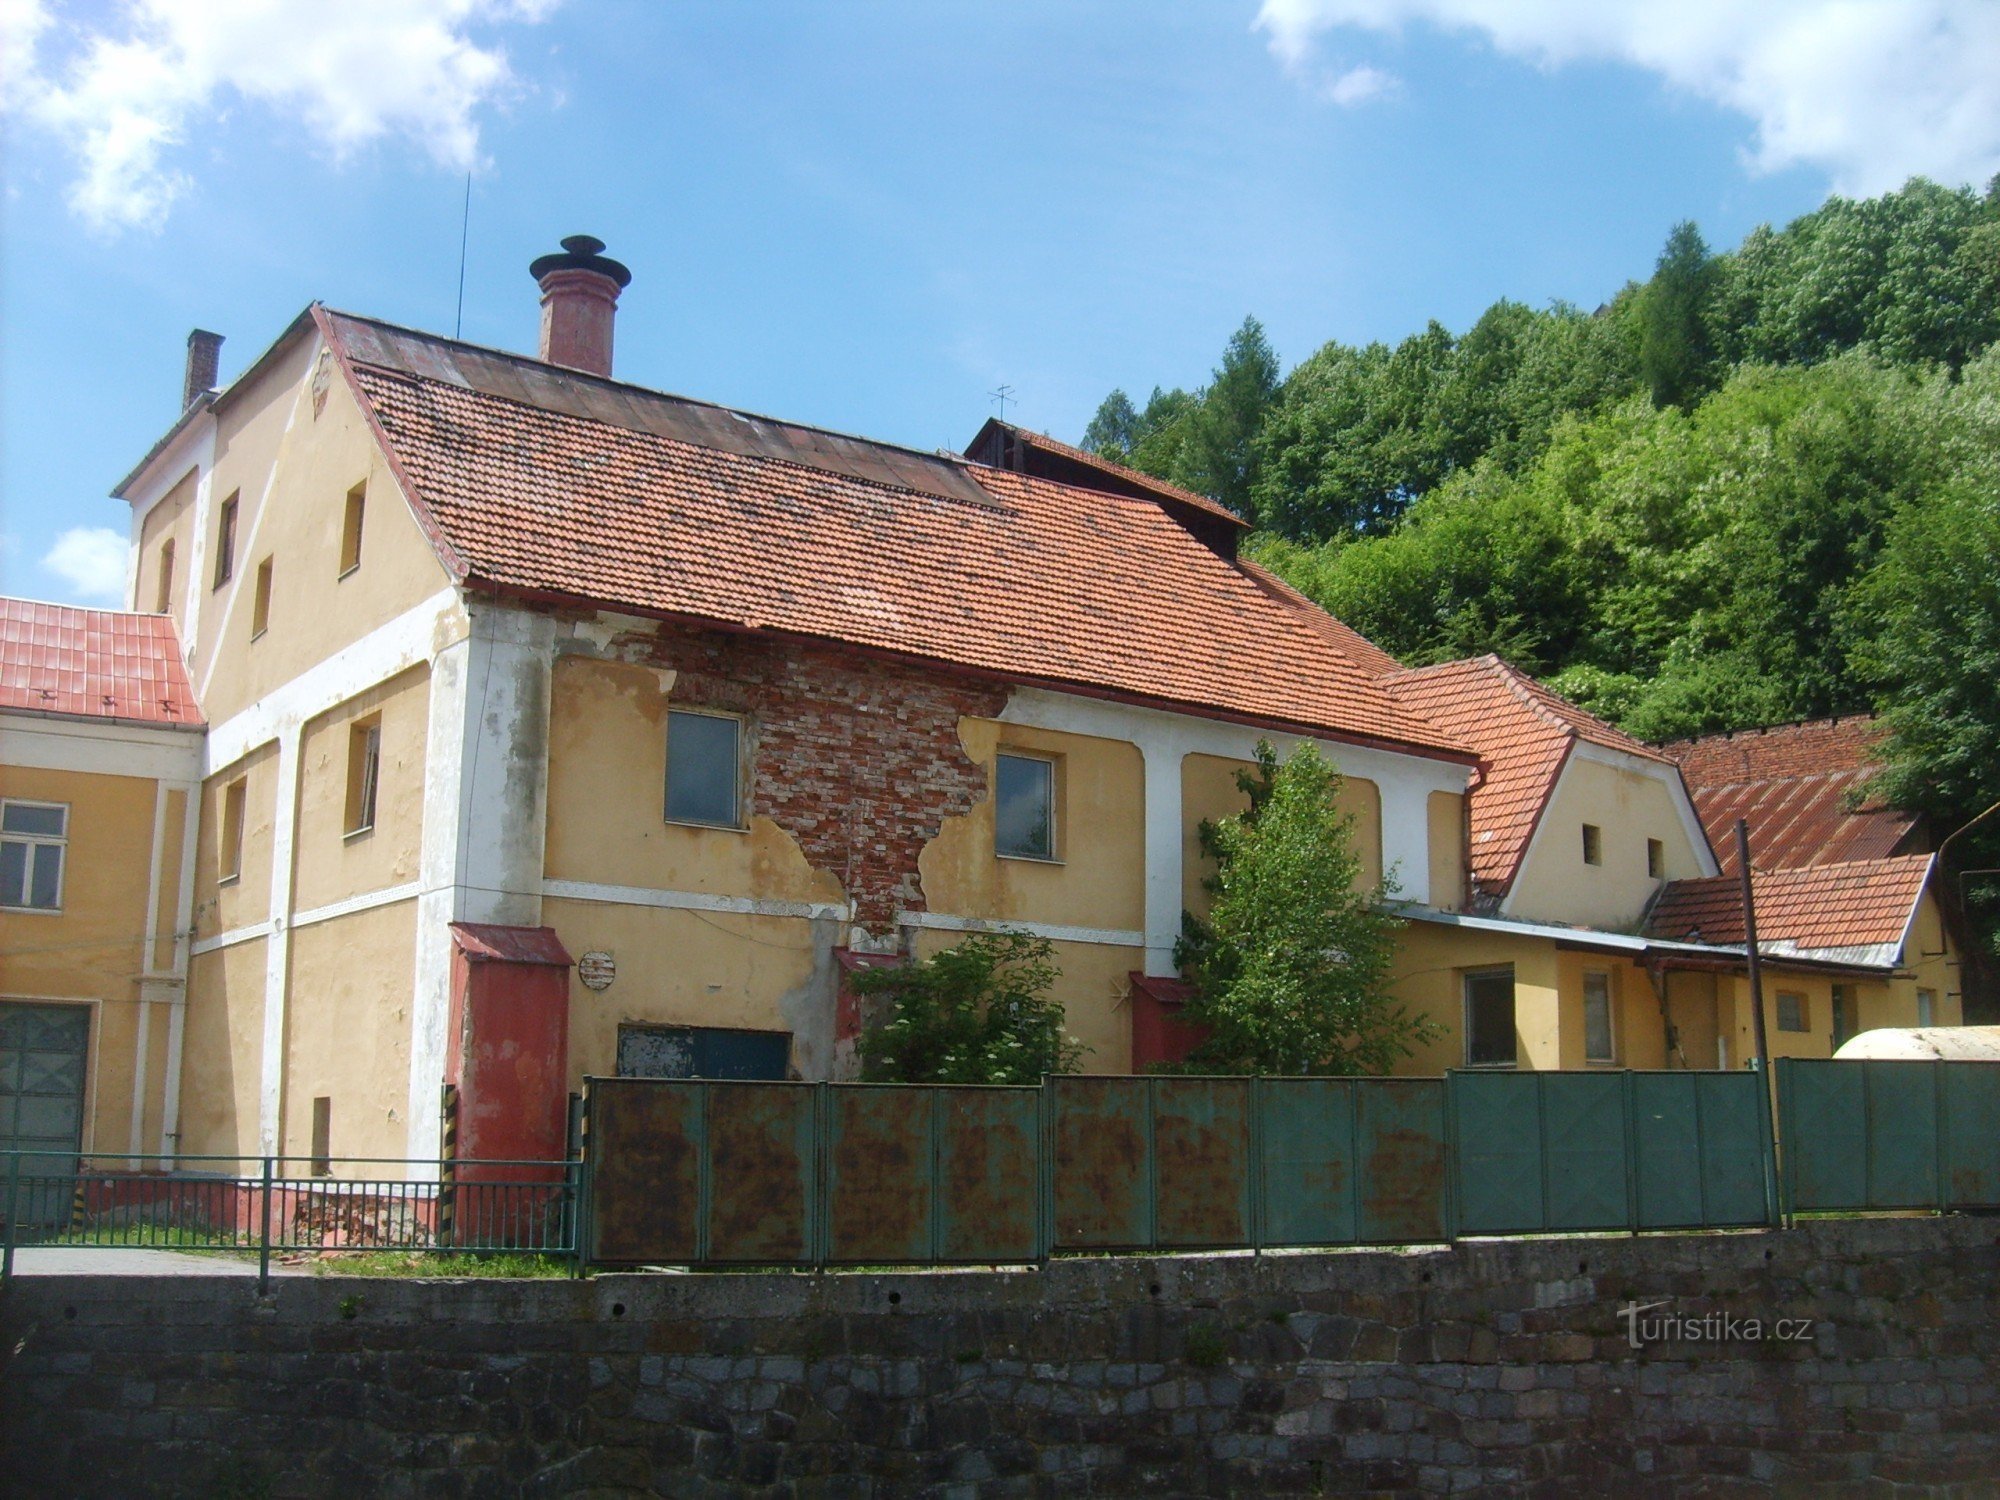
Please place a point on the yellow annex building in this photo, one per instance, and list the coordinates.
(555, 726)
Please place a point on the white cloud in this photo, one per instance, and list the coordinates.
(91, 560)
(1358, 86)
(351, 72)
(1870, 91)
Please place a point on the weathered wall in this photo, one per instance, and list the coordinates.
(333, 864)
(170, 520)
(1629, 807)
(347, 1032)
(1429, 977)
(1494, 1368)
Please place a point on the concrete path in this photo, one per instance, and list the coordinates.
(70, 1260)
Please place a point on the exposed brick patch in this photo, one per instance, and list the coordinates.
(857, 759)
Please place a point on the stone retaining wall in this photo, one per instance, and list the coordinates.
(1490, 1367)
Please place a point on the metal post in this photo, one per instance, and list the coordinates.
(1766, 1108)
(13, 1194)
(447, 1200)
(264, 1239)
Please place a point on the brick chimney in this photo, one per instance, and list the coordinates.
(580, 291)
(204, 359)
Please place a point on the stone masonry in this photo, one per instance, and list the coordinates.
(1489, 1368)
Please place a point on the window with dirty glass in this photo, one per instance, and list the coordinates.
(1593, 844)
(1792, 1012)
(704, 769)
(33, 838)
(1598, 1044)
(1489, 1019)
(1024, 808)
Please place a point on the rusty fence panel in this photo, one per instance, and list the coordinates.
(1402, 1162)
(646, 1149)
(1889, 1134)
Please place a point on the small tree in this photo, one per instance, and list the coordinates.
(1291, 969)
(975, 1013)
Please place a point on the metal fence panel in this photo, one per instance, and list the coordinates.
(1102, 1162)
(1402, 1183)
(1969, 1133)
(1902, 1107)
(763, 1179)
(881, 1189)
(1587, 1179)
(1498, 1125)
(1307, 1168)
(646, 1148)
(1734, 1163)
(1201, 1162)
(1823, 1109)
(1666, 1151)
(989, 1162)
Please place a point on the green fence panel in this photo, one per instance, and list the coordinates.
(1734, 1160)
(1823, 1107)
(989, 1175)
(762, 1193)
(1497, 1132)
(881, 1189)
(1201, 1132)
(1666, 1151)
(1902, 1107)
(647, 1152)
(1402, 1180)
(1102, 1162)
(1969, 1127)
(1587, 1178)
(1308, 1172)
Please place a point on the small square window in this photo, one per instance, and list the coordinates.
(364, 774)
(260, 601)
(1489, 1019)
(163, 597)
(225, 543)
(1593, 844)
(1792, 1012)
(229, 857)
(1656, 859)
(34, 837)
(1024, 811)
(350, 530)
(1599, 1043)
(704, 769)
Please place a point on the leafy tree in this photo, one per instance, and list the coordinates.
(1220, 458)
(1114, 431)
(1676, 351)
(1291, 968)
(974, 1013)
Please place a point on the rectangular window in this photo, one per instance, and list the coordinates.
(1927, 1007)
(229, 860)
(33, 838)
(322, 1137)
(1656, 859)
(1024, 808)
(1792, 1013)
(364, 774)
(225, 543)
(1593, 844)
(163, 598)
(1843, 1014)
(350, 530)
(704, 769)
(1489, 1019)
(1599, 1044)
(260, 601)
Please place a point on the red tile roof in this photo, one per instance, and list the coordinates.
(1121, 476)
(540, 482)
(1523, 733)
(1859, 904)
(93, 664)
(1796, 785)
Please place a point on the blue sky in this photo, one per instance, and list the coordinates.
(870, 216)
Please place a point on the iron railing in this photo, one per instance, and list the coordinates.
(279, 1205)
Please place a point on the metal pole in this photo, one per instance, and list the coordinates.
(13, 1193)
(1750, 948)
(264, 1239)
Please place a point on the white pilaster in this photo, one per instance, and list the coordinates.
(278, 946)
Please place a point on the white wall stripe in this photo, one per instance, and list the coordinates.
(366, 901)
(937, 921)
(231, 937)
(635, 895)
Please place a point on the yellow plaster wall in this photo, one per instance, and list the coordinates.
(1209, 793)
(1429, 976)
(1446, 841)
(1556, 885)
(1638, 1036)
(223, 1050)
(347, 1031)
(1933, 963)
(246, 900)
(1094, 989)
(171, 519)
(1099, 879)
(332, 865)
(686, 968)
(270, 436)
(607, 799)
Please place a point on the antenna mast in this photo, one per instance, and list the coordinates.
(464, 231)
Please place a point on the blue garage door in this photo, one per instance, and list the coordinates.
(42, 1051)
(703, 1052)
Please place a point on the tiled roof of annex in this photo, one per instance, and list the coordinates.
(1856, 904)
(93, 664)
(545, 483)
(1795, 784)
(1523, 733)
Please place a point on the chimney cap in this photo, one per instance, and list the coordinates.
(582, 252)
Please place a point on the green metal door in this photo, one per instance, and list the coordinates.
(42, 1050)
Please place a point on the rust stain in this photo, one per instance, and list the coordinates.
(759, 1169)
(643, 1170)
(881, 1184)
(1100, 1167)
(1201, 1146)
(988, 1176)
(1402, 1186)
